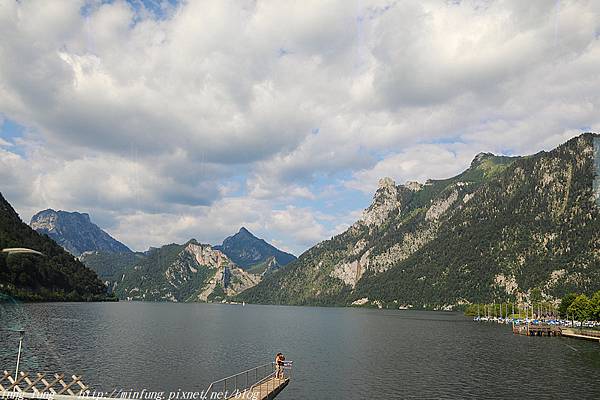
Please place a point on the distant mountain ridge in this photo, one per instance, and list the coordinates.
(246, 250)
(55, 275)
(174, 272)
(182, 273)
(187, 272)
(75, 232)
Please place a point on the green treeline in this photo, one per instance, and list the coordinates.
(573, 306)
(580, 307)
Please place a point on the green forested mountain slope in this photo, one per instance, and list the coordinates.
(108, 265)
(54, 276)
(243, 251)
(188, 272)
(496, 231)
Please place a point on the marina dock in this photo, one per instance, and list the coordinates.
(537, 330)
(556, 330)
(548, 325)
(583, 335)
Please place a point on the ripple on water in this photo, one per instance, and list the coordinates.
(337, 353)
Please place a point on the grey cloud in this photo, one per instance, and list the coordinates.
(436, 56)
(133, 117)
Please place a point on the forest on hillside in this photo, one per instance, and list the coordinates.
(54, 276)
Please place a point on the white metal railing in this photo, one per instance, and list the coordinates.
(270, 382)
(261, 380)
(239, 382)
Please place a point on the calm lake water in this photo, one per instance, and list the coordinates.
(338, 353)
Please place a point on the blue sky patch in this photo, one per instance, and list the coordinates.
(10, 131)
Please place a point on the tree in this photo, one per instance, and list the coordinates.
(3, 267)
(595, 302)
(535, 295)
(565, 303)
(581, 308)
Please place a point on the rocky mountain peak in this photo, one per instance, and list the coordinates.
(245, 232)
(479, 158)
(413, 185)
(387, 188)
(246, 250)
(386, 182)
(45, 219)
(75, 232)
(385, 200)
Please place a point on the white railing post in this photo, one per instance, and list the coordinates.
(22, 334)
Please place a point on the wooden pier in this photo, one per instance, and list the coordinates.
(266, 390)
(537, 330)
(258, 383)
(584, 334)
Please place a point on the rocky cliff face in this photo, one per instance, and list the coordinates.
(498, 230)
(189, 272)
(247, 251)
(75, 232)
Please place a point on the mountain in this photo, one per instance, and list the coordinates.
(266, 267)
(497, 231)
(55, 275)
(75, 232)
(108, 265)
(188, 272)
(246, 250)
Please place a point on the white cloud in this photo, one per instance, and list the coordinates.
(301, 221)
(295, 229)
(247, 107)
(417, 163)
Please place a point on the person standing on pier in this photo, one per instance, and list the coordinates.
(279, 363)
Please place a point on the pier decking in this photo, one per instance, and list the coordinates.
(266, 390)
(537, 330)
(554, 330)
(258, 383)
(585, 335)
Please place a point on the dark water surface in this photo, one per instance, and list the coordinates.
(338, 353)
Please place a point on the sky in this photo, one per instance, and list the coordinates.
(169, 120)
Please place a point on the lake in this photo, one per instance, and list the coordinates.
(338, 353)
